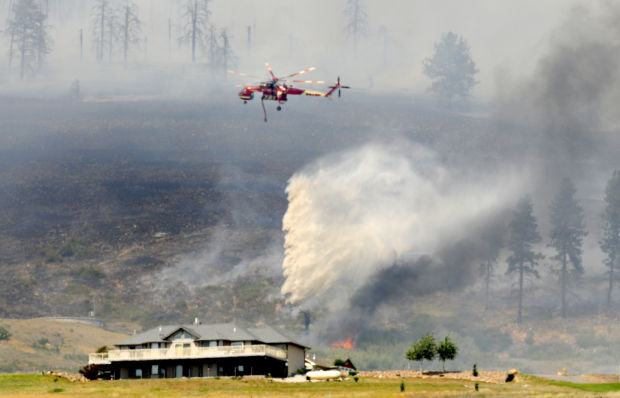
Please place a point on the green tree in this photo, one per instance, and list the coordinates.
(610, 243)
(447, 350)
(567, 233)
(4, 333)
(451, 69)
(523, 236)
(424, 348)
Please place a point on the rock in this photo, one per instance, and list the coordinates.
(512, 373)
(73, 377)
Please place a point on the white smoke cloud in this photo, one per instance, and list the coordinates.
(353, 213)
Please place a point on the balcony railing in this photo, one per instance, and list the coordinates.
(186, 353)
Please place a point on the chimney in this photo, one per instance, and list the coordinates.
(196, 321)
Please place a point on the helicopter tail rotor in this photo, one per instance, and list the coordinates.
(337, 86)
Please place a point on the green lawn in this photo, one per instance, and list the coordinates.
(51, 386)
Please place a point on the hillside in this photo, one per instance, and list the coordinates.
(154, 212)
(42, 344)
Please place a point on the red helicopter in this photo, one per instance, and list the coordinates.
(277, 89)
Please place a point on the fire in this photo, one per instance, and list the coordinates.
(347, 344)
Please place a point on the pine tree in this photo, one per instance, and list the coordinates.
(523, 236)
(610, 243)
(567, 233)
(451, 69)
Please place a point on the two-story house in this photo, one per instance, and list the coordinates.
(203, 351)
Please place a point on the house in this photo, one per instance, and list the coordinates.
(198, 350)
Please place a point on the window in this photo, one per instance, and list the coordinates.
(139, 373)
(182, 335)
(237, 343)
(154, 369)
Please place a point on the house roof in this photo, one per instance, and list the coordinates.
(269, 335)
(218, 331)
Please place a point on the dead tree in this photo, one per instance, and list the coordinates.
(225, 58)
(357, 26)
(130, 29)
(100, 14)
(196, 25)
(29, 34)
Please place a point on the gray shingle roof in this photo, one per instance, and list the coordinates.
(269, 335)
(218, 331)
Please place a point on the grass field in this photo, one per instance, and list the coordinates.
(527, 386)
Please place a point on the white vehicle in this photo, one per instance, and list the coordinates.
(324, 375)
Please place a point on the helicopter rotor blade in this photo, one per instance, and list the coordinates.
(300, 72)
(232, 72)
(270, 71)
(309, 81)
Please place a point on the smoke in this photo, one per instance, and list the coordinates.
(562, 108)
(352, 215)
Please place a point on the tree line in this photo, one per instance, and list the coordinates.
(116, 31)
(565, 238)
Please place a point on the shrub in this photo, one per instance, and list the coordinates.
(338, 362)
(91, 372)
(4, 333)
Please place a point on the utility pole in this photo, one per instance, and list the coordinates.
(81, 44)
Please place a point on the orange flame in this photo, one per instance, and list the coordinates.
(347, 344)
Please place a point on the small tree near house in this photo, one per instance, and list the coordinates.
(447, 350)
(424, 348)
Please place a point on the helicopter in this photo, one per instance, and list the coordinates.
(278, 88)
